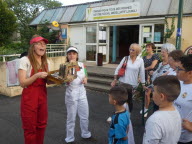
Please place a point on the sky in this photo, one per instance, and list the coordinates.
(71, 2)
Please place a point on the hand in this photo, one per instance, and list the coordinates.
(113, 83)
(41, 74)
(151, 72)
(144, 87)
(84, 81)
(187, 125)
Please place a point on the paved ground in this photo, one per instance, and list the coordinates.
(100, 109)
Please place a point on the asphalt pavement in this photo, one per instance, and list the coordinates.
(12, 133)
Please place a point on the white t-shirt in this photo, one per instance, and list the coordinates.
(132, 72)
(163, 127)
(184, 106)
(26, 65)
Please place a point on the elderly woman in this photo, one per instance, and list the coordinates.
(184, 100)
(161, 70)
(134, 70)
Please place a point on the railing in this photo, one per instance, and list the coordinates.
(52, 50)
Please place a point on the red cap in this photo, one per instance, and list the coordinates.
(37, 39)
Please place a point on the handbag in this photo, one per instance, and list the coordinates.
(121, 71)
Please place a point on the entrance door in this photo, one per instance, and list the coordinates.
(103, 42)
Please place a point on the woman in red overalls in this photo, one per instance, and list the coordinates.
(32, 73)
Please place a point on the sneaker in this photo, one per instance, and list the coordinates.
(70, 142)
(145, 115)
(109, 120)
(145, 110)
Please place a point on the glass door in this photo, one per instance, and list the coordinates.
(103, 40)
(91, 45)
(146, 33)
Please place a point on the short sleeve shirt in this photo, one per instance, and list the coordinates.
(148, 62)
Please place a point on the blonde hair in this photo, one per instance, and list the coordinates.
(137, 48)
(33, 61)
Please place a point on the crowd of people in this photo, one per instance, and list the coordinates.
(167, 78)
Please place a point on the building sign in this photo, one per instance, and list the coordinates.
(125, 10)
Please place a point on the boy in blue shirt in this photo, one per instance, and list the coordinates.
(120, 120)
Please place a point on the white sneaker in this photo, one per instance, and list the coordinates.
(145, 115)
(144, 110)
(109, 119)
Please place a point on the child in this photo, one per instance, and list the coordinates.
(76, 100)
(164, 126)
(120, 120)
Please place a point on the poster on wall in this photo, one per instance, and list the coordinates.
(125, 10)
(64, 33)
(157, 37)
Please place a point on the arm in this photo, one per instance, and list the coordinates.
(113, 83)
(152, 133)
(24, 81)
(142, 72)
(187, 125)
(152, 65)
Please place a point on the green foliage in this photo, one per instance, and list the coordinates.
(169, 31)
(26, 11)
(8, 23)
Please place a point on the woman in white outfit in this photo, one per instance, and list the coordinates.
(76, 100)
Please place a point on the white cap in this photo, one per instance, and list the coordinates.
(72, 49)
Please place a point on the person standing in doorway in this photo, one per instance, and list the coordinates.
(32, 75)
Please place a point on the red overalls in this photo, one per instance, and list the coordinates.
(34, 111)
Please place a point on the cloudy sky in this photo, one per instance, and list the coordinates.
(71, 2)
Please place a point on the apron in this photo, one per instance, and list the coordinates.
(34, 111)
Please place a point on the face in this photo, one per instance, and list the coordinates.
(110, 99)
(133, 51)
(190, 51)
(172, 63)
(40, 48)
(72, 56)
(156, 96)
(182, 75)
(164, 54)
(149, 49)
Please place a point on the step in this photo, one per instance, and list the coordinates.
(101, 80)
(98, 87)
(100, 75)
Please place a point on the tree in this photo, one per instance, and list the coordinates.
(26, 11)
(8, 23)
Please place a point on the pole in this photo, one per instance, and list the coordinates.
(179, 25)
(114, 43)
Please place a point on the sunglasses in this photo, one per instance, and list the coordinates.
(179, 69)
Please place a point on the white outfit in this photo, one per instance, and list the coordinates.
(130, 134)
(132, 72)
(184, 106)
(171, 72)
(163, 127)
(160, 71)
(76, 102)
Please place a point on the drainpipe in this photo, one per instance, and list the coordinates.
(114, 44)
(179, 25)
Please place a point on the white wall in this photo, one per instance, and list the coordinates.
(77, 39)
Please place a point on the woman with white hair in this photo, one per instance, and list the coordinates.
(161, 70)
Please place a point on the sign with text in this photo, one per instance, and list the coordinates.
(125, 10)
